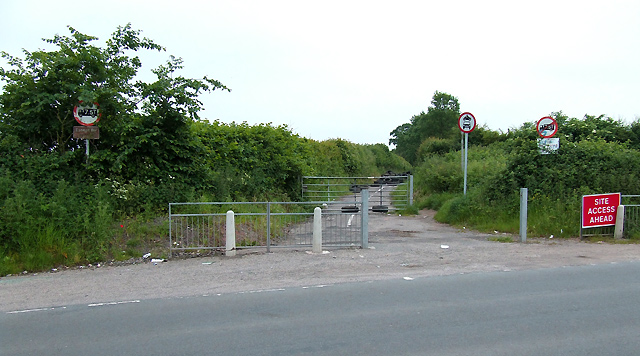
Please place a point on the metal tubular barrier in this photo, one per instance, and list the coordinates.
(630, 226)
(387, 192)
(202, 226)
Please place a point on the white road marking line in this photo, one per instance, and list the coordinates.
(31, 310)
(113, 303)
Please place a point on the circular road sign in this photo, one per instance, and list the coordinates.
(547, 127)
(86, 115)
(467, 122)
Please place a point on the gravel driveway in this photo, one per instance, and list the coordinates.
(400, 247)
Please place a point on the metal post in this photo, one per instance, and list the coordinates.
(524, 193)
(410, 189)
(170, 237)
(364, 194)
(581, 215)
(268, 227)
(86, 141)
(466, 148)
(462, 150)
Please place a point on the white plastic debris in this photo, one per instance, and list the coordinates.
(146, 255)
(207, 263)
(551, 236)
(158, 260)
(407, 278)
(444, 246)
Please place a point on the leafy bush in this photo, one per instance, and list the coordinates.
(437, 146)
(584, 167)
(596, 155)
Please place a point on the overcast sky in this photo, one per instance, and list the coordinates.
(358, 69)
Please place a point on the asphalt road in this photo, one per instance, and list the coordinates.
(586, 310)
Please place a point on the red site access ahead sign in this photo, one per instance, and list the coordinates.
(599, 209)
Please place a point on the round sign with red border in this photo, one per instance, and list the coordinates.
(86, 115)
(466, 122)
(547, 127)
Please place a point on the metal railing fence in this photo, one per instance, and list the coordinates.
(631, 224)
(202, 226)
(631, 205)
(392, 191)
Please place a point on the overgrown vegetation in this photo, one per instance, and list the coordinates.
(57, 208)
(597, 155)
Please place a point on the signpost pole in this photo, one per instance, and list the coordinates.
(462, 150)
(86, 115)
(466, 124)
(466, 150)
(86, 141)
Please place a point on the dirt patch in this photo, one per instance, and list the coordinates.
(400, 246)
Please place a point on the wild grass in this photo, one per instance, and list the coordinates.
(484, 208)
(503, 239)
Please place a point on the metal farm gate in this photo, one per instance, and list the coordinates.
(631, 205)
(202, 226)
(387, 192)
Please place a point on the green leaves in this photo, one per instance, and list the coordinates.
(440, 121)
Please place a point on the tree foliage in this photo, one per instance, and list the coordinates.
(153, 149)
(146, 133)
(440, 121)
(597, 155)
(42, 89)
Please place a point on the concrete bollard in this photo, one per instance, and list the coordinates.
(316, 245)
(231, 234)
(619, 229)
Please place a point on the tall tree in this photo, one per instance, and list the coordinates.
(145, 127)
(41, 90)
(439, 121)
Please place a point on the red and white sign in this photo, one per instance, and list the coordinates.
(599, 209)
(86, 115)
(547, 127)
(466, 122)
